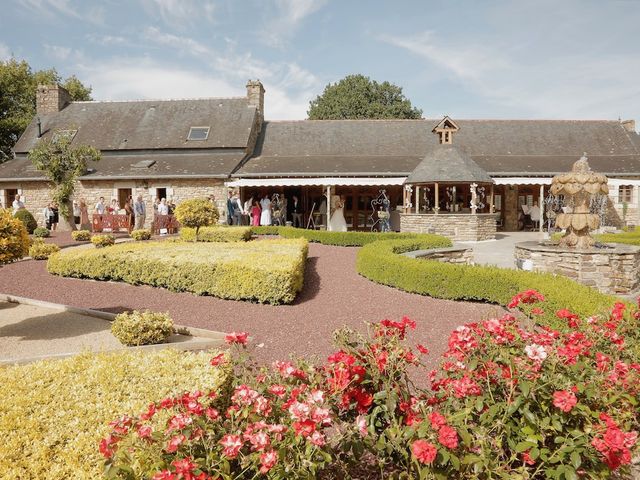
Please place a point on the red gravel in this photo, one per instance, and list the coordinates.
(334, 295)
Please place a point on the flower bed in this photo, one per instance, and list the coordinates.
(381, 262)
(269, 271)
(53, 413)
(216, 234)
(506, 402)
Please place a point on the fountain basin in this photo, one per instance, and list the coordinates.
(610, 268)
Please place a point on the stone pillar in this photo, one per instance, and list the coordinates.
(436, 207)
(511, 208)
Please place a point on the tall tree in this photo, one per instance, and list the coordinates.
(359, 97)
(18, 83)
(63, 163)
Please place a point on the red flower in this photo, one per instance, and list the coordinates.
(528, 296)
(572, 318)
(212, 414)
(565, 400)
(268, 461)
(304, 428)
(218, 360)
(164, 475)
(236, 337)
(184, 466)
(108, 446)
(424, 451)
(448, 437)
(175, 442)
(381, 360)
(423, 350)
(437, 420)
(526, 458)
(231, 445)
(144, 431)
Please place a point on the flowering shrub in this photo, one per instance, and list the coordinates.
(506, 402)
(40, 250)
(141, 234)
(105, 240)
(14, 239)
(81, 235)
(142, 328)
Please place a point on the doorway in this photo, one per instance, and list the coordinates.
(9, 196)
(123, 196)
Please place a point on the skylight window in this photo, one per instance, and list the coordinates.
(198, 133)
(69, 134)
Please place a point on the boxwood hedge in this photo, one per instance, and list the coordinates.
(268, 271)
(217, 234)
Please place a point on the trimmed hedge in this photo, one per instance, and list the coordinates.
(41, 232)
(54, 413)
(41, 251)
(27, 219)
(217, 234)
(142, 328)
(629, 238)
(81, 235)
(141, 234)
(103, 240)
(267, 272)
(346, 239)
(381, 262)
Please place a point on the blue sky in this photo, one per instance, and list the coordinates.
(468, 59)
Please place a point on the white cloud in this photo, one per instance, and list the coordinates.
(179, 13)
(182, 44)
(106, 40)
(563, 85)
(287, 19)
(68, 8)
(5, 52)
(57, 52)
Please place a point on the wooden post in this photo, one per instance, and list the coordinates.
(491, 200)
(417, 198)
(436, 207)
(541, 205)
(328, 207)
(404, 199)
(454, 198)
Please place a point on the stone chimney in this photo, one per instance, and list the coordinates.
(255, 94)
(629, 125)
(51, 99)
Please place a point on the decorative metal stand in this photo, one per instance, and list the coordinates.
(427, 199)
(380, 209)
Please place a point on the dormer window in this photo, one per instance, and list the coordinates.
(445, 130)
(68, 134)
(198, 133)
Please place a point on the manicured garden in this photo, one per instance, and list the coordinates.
(54, 413)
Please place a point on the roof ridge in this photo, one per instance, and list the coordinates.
(137, 100)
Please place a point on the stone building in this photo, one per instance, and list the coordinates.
(201, 147)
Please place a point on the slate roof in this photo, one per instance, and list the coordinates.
(447, 164)
(149, 124)
(381, 147)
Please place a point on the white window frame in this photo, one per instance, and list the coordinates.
(208, 129)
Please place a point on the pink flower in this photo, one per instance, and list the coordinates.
(236, 337)
(299, 411)
(535, 352)
(175, 442)
(318, 439)
(437, 420)
(144, 431)
(424, 451)
(423, 350)
(304, 428)
(361, 424)
(268, 460)
(218, 360)
(108, 446)
(231, 445)
(164, 475)
(565, 400)
(448, 437)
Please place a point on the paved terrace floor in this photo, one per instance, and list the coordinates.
(334, 295)
(500, 252)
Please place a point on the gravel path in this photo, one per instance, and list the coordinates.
(334, 295)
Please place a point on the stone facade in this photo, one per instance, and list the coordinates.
(51, 99)
(38, 194)
(455, 254)
(461, 227)
(614, 270)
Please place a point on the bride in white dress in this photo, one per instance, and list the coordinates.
(337, 223)
(265, 216)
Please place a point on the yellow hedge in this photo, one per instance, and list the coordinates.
(14, 239)
(54, 413)
(270, 271)
(217, 234)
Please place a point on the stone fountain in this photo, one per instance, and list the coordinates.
(578, 187)
(610, 268)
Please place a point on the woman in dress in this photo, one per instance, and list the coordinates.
(337, 223)
(128, 208)
(265, 217)
(84, 215)
(255, 214)
(56, 216)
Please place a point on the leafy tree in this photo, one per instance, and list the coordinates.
(62, 163)
(359, 97)
(18, 84)
(196, 213)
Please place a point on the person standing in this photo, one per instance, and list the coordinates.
(163, 208)
(128, 208)
(84, 215)
(47, 213)
(56, 216)
(76, 214)
(255, 214)
(236, 205)
(139, 210)
(265, 216)
(296, 212)
(100, 208)
(229, 208)
(17, 204)
(246, 211)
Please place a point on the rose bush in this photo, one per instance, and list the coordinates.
(505, 402)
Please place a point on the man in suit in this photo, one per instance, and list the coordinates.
(296, 212)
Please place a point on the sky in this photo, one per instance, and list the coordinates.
(538, 59)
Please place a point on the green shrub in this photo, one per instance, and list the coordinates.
(268, 271)
(141, 234)
(196, 213)
(81, 235)
(14, 239)
(382, 263)
(27, 219)
(142, 328)
(41, 232)
(103, 240)
(53, 413)
(41, 251)
(342, 239)
(216, 234)
(630, 238)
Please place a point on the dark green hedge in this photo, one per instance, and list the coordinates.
(381, 262)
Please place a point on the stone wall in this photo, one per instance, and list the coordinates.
(460, 227)
(455, 254)
(614, 270)
(38, 194)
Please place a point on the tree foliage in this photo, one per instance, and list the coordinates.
(196, 213)
(18, 84)
(14, 239)
(62, 163)
(359, 97)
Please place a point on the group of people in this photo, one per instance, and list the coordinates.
(268, 210)
(136, 211)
